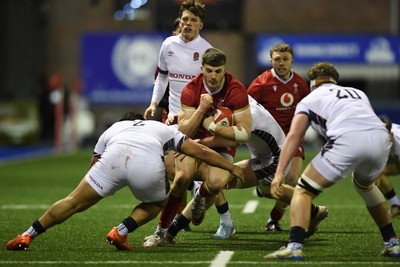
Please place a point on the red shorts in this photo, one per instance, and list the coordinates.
(300, 152)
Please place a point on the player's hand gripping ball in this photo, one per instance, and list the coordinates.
(223, 116)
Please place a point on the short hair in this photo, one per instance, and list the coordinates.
(197, 8)
(176, 23)
(213, 57)
(324, 70)
(131, 116)
(387, 122)
(281, 48)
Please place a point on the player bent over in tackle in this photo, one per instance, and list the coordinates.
(345, 118)
(129, 153)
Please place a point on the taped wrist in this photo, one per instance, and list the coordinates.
(241, 135)
(212, 127)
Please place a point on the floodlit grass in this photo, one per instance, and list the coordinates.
(348, 237)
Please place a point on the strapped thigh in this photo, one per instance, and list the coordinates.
(309, 185)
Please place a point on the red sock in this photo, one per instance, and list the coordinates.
(169, 212)
(203, 192)
(276, 215)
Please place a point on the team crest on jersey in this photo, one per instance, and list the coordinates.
(287, 99)
(196, 56)
(296, 86)
(220, 102)
(275, 87)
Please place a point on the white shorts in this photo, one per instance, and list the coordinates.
(121, 166)
(364, 152)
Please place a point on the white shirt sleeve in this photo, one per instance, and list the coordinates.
(159, 87)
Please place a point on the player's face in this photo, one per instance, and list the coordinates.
(190, 26)
(213, 76)
(282, 64)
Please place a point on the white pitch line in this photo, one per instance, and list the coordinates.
(250, 206)
(186, 263)
(222, 259)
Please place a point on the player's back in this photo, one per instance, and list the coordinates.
(334, 110)
(149, 136)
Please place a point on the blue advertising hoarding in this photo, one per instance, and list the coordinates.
(342, 49)
(118, 68)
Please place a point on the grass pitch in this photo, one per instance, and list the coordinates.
(348, 237)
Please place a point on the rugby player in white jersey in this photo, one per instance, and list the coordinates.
(179, 59)
(129, 153)
(392, 168)
(264, 146)
(345, 118)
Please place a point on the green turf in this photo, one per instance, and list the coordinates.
(348, 237)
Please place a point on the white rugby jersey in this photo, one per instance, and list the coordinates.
(150, 137)
(271, 132)
(181, 62)
(395, 151)
(334, 110)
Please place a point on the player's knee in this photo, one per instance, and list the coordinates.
(213, 188)
(291, 178)
(309, 185)
(180, 184)
(370, 193)
(263, 190)
(233, 182)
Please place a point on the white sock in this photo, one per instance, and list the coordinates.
(294, 246)
(226, 219)
(31, 231)
(122, 230)
(394, 201)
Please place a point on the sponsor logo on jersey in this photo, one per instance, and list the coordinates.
(220, 102)
(95, 182)
(287, 99)
(296, 86)
(181, 76)
(196, 56)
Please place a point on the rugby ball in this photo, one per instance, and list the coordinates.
(223, 116)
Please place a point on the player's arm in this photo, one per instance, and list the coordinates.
(189, 120)
(292, 142)
(159, 88)
(209, 156)
(239, 132)
(217, 141)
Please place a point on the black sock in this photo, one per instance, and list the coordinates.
(223, 208)
(179, 223)
(387, 232)
(297, 234)
(130, 224)
(390, 194)
(38, 227)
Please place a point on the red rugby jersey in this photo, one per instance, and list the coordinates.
(279, 97)
(233, 95)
